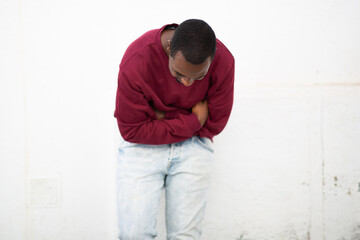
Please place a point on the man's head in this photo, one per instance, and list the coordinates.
(191, 51)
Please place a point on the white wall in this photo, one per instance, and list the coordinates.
(287, 165)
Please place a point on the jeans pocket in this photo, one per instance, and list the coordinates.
(206, 143)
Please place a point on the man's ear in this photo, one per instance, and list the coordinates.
(168, 49)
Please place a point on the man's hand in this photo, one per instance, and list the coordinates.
(159, 114)
(201, 111)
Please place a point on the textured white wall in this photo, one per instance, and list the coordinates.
(287, 165)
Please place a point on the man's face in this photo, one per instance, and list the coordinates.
(186, 73)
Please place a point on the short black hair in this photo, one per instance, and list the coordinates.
(195, 39)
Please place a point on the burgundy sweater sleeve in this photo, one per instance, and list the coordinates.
(220, 102)
(137, 120)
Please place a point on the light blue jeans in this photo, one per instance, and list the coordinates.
(143, 171)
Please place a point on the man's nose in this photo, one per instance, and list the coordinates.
(186, 81)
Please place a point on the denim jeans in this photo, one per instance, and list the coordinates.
(143, 171)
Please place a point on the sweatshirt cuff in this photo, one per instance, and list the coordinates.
(171, 114)
(193, 123)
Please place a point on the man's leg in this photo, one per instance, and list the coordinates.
(140, 180)
(186, 188)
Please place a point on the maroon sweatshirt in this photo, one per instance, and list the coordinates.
(145, 82)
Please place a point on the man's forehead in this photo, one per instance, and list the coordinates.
(183, 67)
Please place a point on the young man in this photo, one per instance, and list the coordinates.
(175, 93)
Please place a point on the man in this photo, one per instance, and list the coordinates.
(175, 93)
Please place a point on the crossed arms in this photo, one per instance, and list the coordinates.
(200, 109)
(141, 122)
